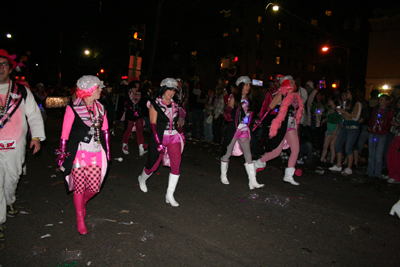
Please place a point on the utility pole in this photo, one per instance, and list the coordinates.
(153, 50)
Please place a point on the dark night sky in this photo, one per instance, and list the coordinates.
(102, 26)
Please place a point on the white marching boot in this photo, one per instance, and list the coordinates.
(289, 172)
(172, 182)
(395, 209)
(141, 150)
(125, 148)
(259, 165)
(142, 180)
(224, 171)
(251, 172)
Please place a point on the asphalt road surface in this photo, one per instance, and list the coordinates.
(328, 220)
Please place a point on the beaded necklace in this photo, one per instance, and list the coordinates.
(3, 109)
(380, 117)
(96, 121)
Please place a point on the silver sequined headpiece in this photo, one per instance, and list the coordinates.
(88, 81)
(169, 82)
(243, 79)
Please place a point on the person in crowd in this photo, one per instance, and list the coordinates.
(121, 96)
(108, 99)
(304, 95)
(218, 107)
(305, 139)
(145, 96)
(349, 132)
(266, 118)
(393, 161)
(181, 99)
(18, 111)
(84, 150)
(197, 99)
(167, 139)
(133, 115)
(40, 97)
(208, 116)
(282, 132)
(395, 97)
(379, 123)
(333, 120)
(237, 137)
(363, 135)
(317, 114)
(373, 101)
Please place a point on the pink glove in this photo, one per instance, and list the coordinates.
(180, 131)
(107, 139)
(61, 152)
(228, 116)
(160, 147)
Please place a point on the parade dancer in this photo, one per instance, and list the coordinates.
(167, 139)
(84, 150)
(237, 136)
(18, 111)
(134, 118)
(282, 132)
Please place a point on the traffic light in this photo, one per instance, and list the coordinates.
(101, 70)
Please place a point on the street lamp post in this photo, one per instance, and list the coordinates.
(274, 8)
(326, 48)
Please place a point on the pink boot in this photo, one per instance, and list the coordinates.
(88, 195)
(80, 205)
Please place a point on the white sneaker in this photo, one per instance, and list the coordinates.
(335, 168)
(392, 181)
(347, 171)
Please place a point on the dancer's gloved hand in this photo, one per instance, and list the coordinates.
(227, 114)
(107, 139)
(180, 131)
(160, 146)
(61, 152)
(258, 122)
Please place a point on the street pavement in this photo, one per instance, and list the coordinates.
(328, 220)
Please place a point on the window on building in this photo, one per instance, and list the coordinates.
(259, 19)
(225, 34)
(193, 55)
(314, 22)
(239, 31)
(277, 60)
(328, 13)
(278, 42)
(279, 25)
(311, 67)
